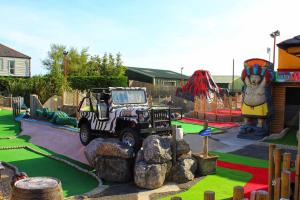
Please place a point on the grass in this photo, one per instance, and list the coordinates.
(222, 183)
(189, 128)
(8, 127)
(224, 180)
(37, 165)
(244, 160)
(288, 139)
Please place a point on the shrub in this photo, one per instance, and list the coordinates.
(88, 82)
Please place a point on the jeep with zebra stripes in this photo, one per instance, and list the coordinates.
(121, 112)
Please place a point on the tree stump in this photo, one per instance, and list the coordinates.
(42, 188)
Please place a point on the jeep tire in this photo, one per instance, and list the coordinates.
(85, 134)
(131, 138)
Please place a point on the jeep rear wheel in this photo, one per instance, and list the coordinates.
(131, 138)
(85, 134)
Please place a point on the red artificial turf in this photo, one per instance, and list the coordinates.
(259, 180)
(214, 124)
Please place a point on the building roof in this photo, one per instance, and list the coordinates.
(9, 52)
(224, 78)
(292, 42)
(157, 73)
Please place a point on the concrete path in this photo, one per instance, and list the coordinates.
(60, 141)
(225, 142)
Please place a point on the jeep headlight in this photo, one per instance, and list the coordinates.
(143, 116)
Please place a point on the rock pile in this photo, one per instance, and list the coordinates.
(152, 162)
(186, 166)
(112, 160)
(151, 166)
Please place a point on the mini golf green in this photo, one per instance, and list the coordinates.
(189, 128)
(8, 127)
(289, 139)
(221, 183)
(74, 182)
(224, 180)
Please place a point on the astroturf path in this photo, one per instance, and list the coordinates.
(213, 124)
(259, 180)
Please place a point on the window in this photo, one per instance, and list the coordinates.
(169, 83)
(1, 64)
(11, 66)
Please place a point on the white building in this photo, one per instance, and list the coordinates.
(14, 63)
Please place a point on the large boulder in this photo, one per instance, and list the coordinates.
(157, 150)
(115, 149)
(149, 176)
(182, 147)
(114, 169)
(90, 150)
(183, 171)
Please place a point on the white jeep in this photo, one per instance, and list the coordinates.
(121, 112)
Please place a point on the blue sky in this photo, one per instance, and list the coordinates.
(165, 34)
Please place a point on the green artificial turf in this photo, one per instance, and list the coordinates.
(244, 160)
(221, 183)
(192, 128)
(288, 139)
(74, 182)
(8, 127)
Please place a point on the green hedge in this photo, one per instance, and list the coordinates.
(88, 82)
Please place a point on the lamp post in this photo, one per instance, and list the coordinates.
(274, 35)
(181, 76)
(65, 64)
(65, 76)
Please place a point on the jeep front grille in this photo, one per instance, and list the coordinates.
(161, 119)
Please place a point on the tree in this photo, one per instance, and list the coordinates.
(80, 63)
(76, 60)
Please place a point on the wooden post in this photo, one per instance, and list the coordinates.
(299, 135)
(205, 141)
(174, 145)
(277, 188)
(253, 195)
(287, 161)
(176, 198)
(271, 171)
(238, 193)
(209, 195)
(277, 159)
(262, 195)
(285, 184)
(77, 104)
(297, 171)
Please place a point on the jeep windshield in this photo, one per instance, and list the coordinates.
(129, 97)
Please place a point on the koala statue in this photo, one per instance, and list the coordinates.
(256, 105)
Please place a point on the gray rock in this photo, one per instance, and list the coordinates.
(149, 176)
(90, 150)
(115, 149)
(157, 150)
(185, 156)
(182, 147)
(114, 169)
(183, 171)
(140, 156)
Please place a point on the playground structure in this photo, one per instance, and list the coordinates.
(210, 102)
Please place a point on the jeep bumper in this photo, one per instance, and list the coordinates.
(155, 131)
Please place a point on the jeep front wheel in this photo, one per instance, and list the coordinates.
(131, 138)
(85, 134)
